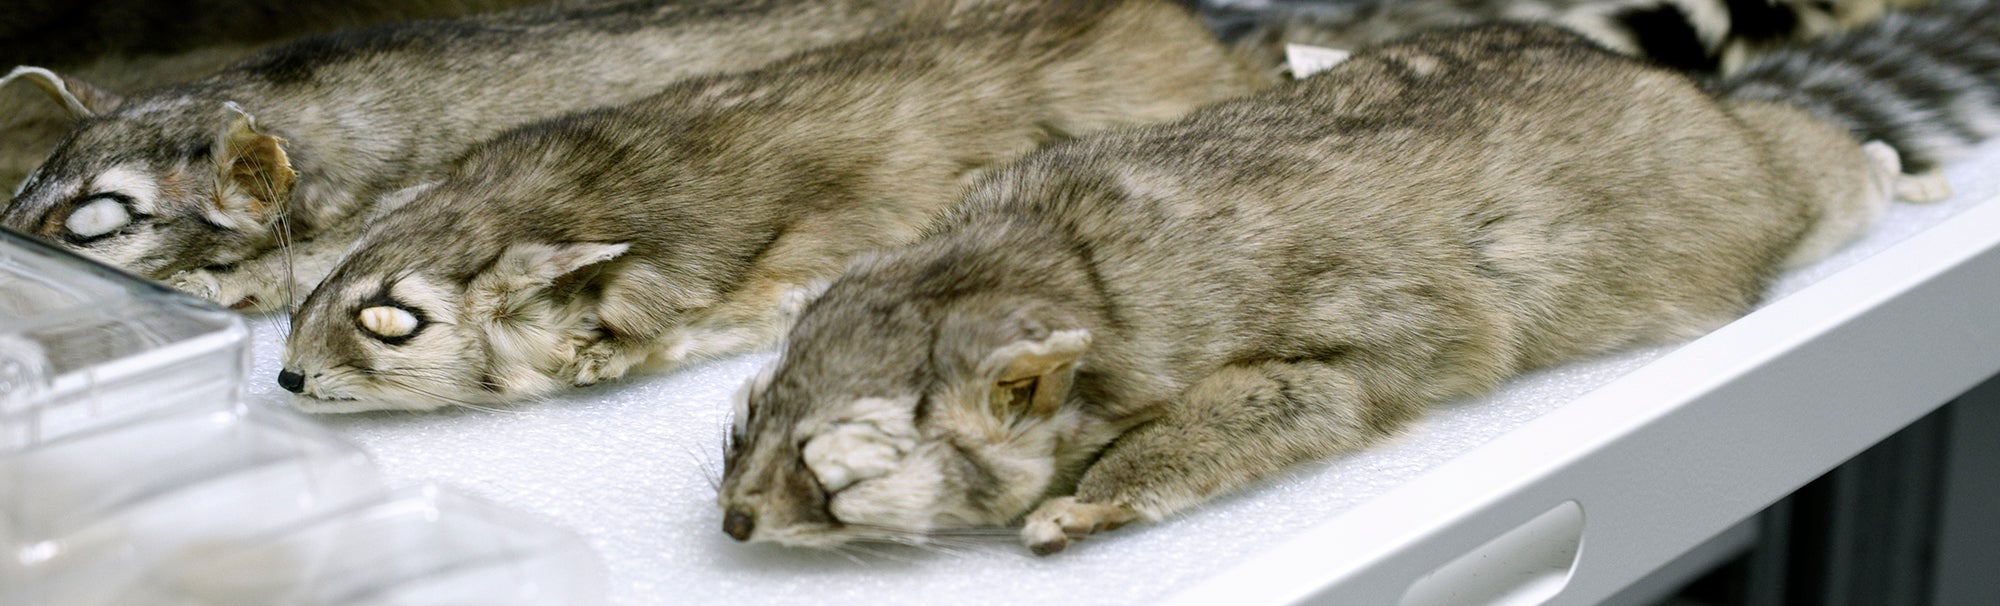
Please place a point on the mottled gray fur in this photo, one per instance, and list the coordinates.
(31, 126)
(1120, 327)
(202, 183)
(693, 223)
(139, 44)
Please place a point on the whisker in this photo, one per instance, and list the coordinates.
(842, 551)
(956, 542)
(716, 470)
(707, 467)
(541, 399)
(943, 546)
(981, 531)
(877, 553)
(433, 394)
(280, 330)
(916, 542)
(950, 550)
(440, 376)
(415, 373)
(490, 409)
(284, 229)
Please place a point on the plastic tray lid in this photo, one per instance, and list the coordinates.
(81, 344)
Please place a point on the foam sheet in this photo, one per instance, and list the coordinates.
(630, 466)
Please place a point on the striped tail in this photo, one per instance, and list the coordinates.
(1715, 36)
(1927, 82)
(1698, 36)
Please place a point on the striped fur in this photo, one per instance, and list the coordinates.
(1716, 36)
(1702, 36)
(1926, 82)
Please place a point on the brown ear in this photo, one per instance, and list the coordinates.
(1032, 375)
(80, 98)
(253, 163)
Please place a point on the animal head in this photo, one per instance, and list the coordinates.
(889, 422)
(153, 185)
(393, 330)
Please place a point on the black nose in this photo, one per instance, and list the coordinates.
(291, 381)
(738, 524)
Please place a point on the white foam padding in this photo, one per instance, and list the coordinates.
(631, 467)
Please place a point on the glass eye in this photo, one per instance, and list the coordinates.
(96, 218)
(388, 323)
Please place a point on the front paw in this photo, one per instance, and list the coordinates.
(598, 361)
(198, 282)
(239, 290)
(1061, 520)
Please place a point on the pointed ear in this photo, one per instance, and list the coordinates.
(1031, 373)
(543, 264)
(79, 97)
(526, 286)
(253, 164)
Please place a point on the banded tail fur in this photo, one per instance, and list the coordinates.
(1927, 82)
(1699, 36)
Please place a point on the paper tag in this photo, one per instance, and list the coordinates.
(1304, 60)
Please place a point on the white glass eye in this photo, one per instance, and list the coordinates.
(97, 217)
(388, 322)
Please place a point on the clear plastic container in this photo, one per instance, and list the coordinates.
(415, 547)
(98, 507)
(81, 342)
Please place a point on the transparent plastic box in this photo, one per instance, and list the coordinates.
(101, 506)
(80, 342)
(421, 546)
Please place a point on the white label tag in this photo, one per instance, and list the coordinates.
(1304, 60)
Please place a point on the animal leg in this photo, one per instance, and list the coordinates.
(743, 323)
(277, 280)
(1236, 426)
(605, 359)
